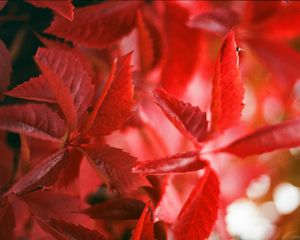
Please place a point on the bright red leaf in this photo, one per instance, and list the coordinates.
(144, 227)
(182, 49)
(189, 120)
(228, 91)
(266, 139)
(97, 25)
(27, 119)
(179, 163)
(115, 103)
(199, 213)
(62, 7)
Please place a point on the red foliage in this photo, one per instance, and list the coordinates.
(88, 122)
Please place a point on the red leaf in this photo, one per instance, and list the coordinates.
(228, 91)
(150, 44)
(199, 213)
(116, 209)
(115, 165)
(113, 107)
(36, 89)
(179, 163)
(97, 25)
(64, 230)
(169, 204)
(62, 205)
(43, 174)
(282, 60)
(27, 119)
(189, 120)
(287, 16)
(70, 171)
(69, 82)
(144, 227)
(7, 220)
(5, 66)
(182, 49)
(63, 7)
(266, 139)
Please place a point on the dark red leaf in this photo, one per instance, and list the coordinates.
(97, 25)
(179, 163)
(71, 169)
(62, 7)
(27, 119)
(189, 120)
(114, 106)
(144, 227)
(115, 165)
(266, 139)
(69, 82)
(44, 173)
(62, 230)
(62, 205)
(182, 49)
(5, 66)
(36, 89)
(228, 91)
(199, 213)
(7, 220)
(116, 209)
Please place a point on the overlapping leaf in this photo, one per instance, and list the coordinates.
(36, 89)
(62, 230)
(116, 209)
(115, 165)
(34, 120)
(97, 25)
(43, 174)
(228, 91)
(266, 139)
(144, 228)
(179, 163)
(189, 120)
(69, 82)
(114, 106)
(64, 8)
(199, 213)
